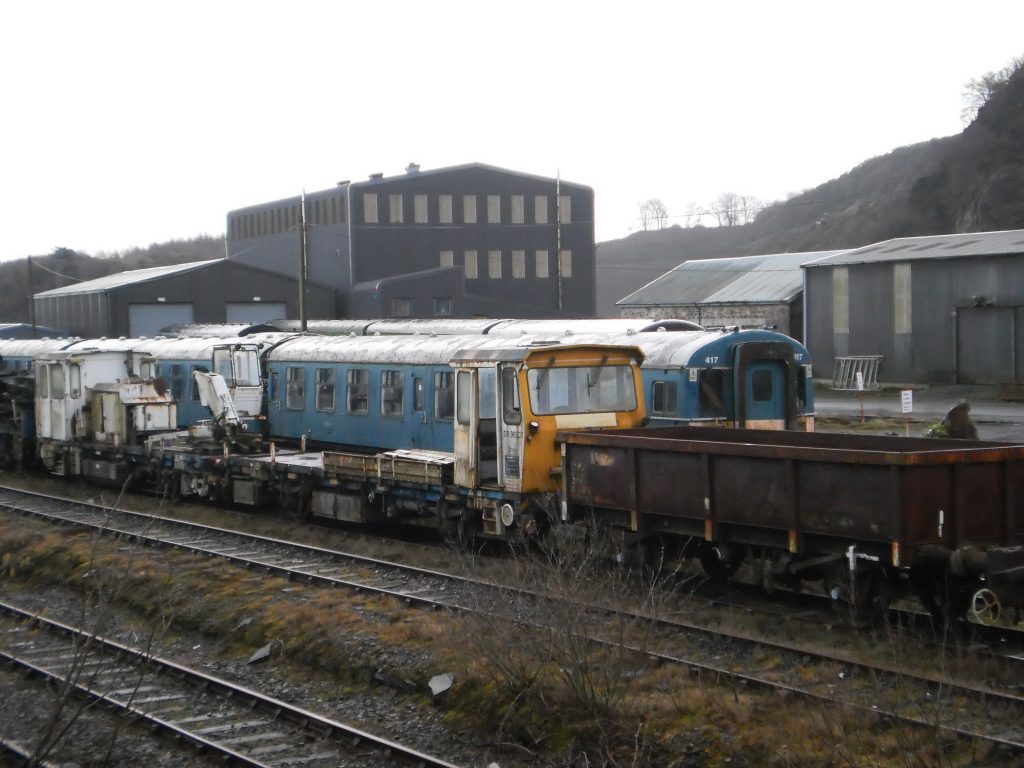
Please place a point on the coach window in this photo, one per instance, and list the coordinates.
(510, 409)
(246, 367)
(444, 394)
(664, 398)
(75, 380)
(325, 390)
(711, 400)
(418, 402)
(174, 380)
(295, 388)
(392, 393)
(358, 390)
(43, 382)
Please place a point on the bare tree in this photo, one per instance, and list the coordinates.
(653, 214)
(733, 210)
(977, 91)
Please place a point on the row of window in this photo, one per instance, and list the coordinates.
(275, 221)
(357, 392)
(445, 211)
(541, 259)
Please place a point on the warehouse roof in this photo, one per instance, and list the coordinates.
(765, 279)
(130, 277)
(1001, 243)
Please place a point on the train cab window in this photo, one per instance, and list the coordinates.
(462, 405)
(711, 387)
(392, 393)
(56, 376)
(511, 411)
(358, 381)
(295, 388)
(761, 386)
(75, 380)
(246, 367)
(444, 394)
(418, 403)
(664, 398)
(222, 365)
(325, 390)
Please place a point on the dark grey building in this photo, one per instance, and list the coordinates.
(452, 242)
(748, 291)
(940, 309)
(142, 301)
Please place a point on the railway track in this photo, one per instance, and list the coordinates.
(237, 725)
(928, 699)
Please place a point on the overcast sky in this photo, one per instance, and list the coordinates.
(130, 123)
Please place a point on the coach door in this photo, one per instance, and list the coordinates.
(476, 427)
(510, 428)
(51, 405)
(764, 386)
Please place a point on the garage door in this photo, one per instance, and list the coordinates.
(148, 319)
(258, 312)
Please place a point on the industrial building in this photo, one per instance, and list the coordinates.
(748, 291)
(462, 241)
(142, 301)
(939, 309)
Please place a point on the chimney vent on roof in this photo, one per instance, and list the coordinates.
(412, 168)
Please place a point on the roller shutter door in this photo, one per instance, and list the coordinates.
(148, 319)
(256, 312)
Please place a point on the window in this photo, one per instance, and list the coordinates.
(519, 264)
(442, 306)
(565, 263)
(711, 398)
(391, 393)
(146, 370)
(444, 394)
(564, 209)
(401, 306)
(56, 382)
(465, 395)
(540, 209)
(370, 208)
(494, 265)
(444, 209)
(43, 387)
(592, 389)
(518, 209)
(469, 209)
(342, 210)
(664, 398)
(494, 209)
(418, 396)
(175, 381)
(419, 209)
(222, 364)
(761, 386)
(358, 381)
(510, 409)
(803, 376)
(395, 212)
(542, 264)
(325, 390)
(447, 258)
(470, 265)
(245, 365)
(75, 380)
(295, 388)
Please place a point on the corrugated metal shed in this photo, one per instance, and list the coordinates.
(745, 279)
(130, 277)
(1007, 242)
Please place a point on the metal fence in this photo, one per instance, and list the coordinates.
(844, 374)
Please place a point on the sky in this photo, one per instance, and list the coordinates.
(130, 123)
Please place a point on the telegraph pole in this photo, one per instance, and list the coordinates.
(31, 299)
(302, 263)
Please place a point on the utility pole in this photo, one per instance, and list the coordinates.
(302, 263)
(31, 299)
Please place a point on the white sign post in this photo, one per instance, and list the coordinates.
(860, 393)
(907, 403)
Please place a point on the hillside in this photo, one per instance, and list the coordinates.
(969, 182)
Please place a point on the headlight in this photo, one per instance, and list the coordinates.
(508, 515)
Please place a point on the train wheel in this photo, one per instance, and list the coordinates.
(985, 606)
(862, 601)
(460, 531)
(718, 563)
